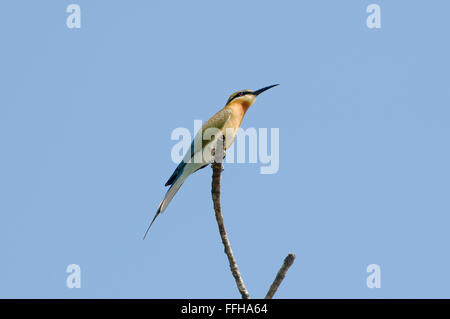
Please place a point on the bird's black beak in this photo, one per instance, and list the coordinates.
(258, 92)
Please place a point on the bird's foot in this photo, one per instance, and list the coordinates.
(215, 160)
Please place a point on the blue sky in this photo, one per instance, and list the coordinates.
(85, 122)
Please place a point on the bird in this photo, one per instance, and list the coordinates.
(225, 122)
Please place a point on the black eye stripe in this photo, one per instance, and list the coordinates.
(238, 95)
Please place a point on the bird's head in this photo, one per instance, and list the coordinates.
(246, 97)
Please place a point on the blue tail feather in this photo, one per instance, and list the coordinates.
(178, 171)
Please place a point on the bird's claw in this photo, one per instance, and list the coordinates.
(213, 153)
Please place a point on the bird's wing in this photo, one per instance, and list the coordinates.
(184, 169)
(217, 121)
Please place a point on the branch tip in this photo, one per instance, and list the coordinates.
(288, 261)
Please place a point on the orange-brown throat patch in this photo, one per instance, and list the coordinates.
(240, 105)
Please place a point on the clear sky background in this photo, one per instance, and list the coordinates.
(85, 123)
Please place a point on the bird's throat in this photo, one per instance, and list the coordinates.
(240, 107)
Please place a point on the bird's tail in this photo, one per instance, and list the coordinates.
(168, 198)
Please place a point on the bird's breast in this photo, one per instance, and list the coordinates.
(234, 122)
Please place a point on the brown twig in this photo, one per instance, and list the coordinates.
(215, 192)
(288, 261)
(217, 168)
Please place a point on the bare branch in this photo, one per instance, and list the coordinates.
(288, 261)
(215, 192)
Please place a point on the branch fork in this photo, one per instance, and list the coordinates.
(217, 168)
